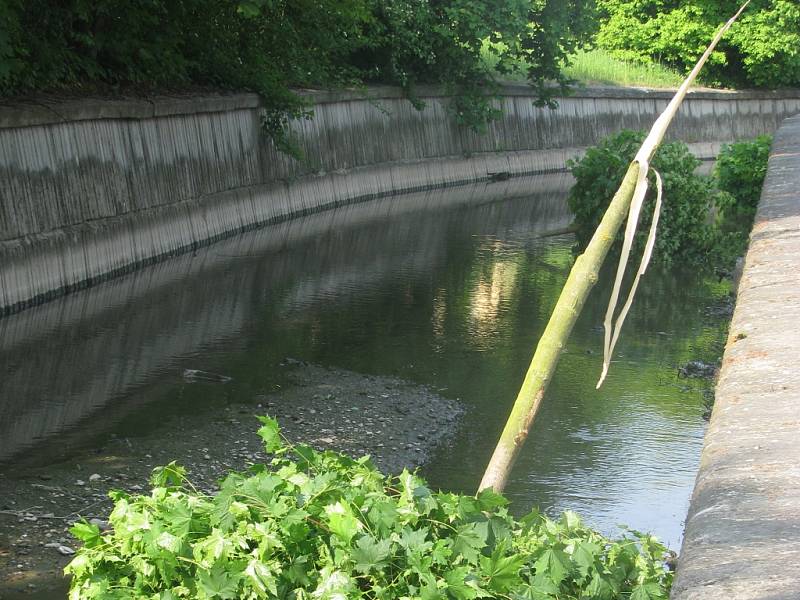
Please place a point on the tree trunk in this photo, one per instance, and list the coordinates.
(581, 279)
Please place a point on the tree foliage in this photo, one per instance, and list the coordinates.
(274, 46)
(687, 234)
(762, 48)
(684, 233)
(321, 525)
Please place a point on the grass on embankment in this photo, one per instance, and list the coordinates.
(594, 67)
(598, 67)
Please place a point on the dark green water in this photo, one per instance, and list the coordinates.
(449, 289)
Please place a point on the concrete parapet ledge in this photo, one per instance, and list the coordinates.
(385, 92)
(743, 529)
(46, 110)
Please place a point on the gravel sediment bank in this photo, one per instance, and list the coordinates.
(400, 424)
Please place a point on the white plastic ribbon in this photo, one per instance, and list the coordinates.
(611, 338)
(643, 158)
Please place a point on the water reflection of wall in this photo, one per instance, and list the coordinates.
(93, 354)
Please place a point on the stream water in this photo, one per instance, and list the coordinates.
(450, 289)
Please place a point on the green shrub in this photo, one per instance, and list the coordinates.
(327, 527)
(762, 49)
(684, 233)
(740, 171)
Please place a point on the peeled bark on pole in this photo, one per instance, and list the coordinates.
(581, 279)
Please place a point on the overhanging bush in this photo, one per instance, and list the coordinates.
(684, 233)
(687, 234)
(271, 47)
(740, 171)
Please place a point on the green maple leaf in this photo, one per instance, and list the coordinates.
(383, 516)
(441, 552)
(412, 539)
(488, 499)
(429, 590)
(502, 571)
(648, 591)
(554, 563)
(543, 587)
(262, 577)
(584, 556)
(178, 517)
(500, 529)
(469, 541)
(262, 486)
(88, 533)
(463, 585)
(270, 434)
(600, 587)
(333, 585)
(212, 547)
(171, 475)
(298, 571)
(341, 521)
(169, 542)
(369, 553)
(571, 520)
(217, 583)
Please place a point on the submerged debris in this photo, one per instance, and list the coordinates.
(697, 369)
(194, 375)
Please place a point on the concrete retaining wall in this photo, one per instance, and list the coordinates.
(90, 189)
(742, 536)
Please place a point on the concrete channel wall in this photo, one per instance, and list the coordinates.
(742, 537)
(90, 189)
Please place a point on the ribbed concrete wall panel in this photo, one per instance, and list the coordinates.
(90, 189)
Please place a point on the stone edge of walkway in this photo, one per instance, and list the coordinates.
(742, 538)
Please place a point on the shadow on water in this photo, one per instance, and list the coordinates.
(448, 288)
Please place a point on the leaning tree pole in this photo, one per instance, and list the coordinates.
(626, 202)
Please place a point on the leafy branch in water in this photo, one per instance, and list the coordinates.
(321, 525)
(584, 273)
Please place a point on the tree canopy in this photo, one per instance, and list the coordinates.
(761, 50)
(274, 46)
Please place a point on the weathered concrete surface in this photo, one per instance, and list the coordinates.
(90, 189)
(743, 530)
